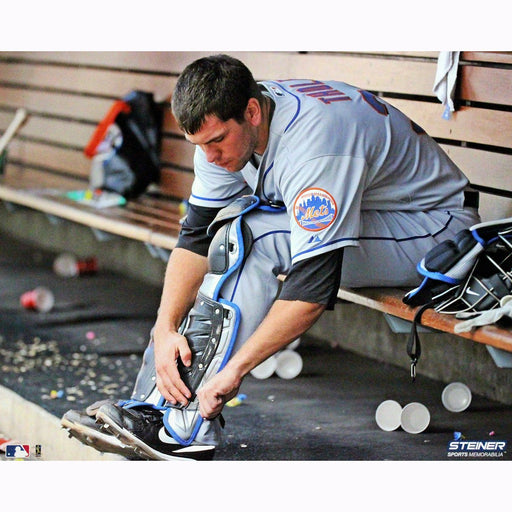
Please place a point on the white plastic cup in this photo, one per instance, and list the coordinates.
(289, 364)
(265, 369)
(388, 414)
(415, 418)
(294, 344)
(456, 397)
(40, 299)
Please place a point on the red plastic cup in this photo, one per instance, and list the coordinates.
(67, 265)
(87, 266)
(39, 299)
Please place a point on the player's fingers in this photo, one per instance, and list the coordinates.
(172, 392)
(210, 406)
(185, 354)
(163, 388)
(177, 385)
(169, 381)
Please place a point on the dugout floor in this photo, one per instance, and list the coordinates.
(89, 346)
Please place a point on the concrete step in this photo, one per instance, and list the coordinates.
(28, 423)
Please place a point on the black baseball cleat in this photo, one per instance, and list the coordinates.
(83, 426)
(143, 429)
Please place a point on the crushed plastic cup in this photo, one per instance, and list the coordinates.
(415, 418)
(265, 369)
(456, 397)
(289, 364)
(68, 265)
(388, 414)
(39, 299)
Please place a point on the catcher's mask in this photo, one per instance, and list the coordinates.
(469, 274)
(487, 283)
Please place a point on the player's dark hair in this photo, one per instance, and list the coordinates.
(218, 85)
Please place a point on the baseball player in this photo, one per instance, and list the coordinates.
(317, 180)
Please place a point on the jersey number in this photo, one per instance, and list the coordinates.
(381, 108)
(374, 103)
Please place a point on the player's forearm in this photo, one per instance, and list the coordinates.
(285, 322)
(183, 277)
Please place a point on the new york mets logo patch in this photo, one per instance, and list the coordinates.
(314, 209)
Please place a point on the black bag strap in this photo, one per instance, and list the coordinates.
(413, 343)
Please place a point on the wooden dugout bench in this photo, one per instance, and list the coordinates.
(68, 93)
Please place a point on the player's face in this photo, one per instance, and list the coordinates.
(227, 144)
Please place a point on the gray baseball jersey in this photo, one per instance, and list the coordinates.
(335, 151)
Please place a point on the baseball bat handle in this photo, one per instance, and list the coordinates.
(19, 119)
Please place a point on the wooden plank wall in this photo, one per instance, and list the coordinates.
(68, 93)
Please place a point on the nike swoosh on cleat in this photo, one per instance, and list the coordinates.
(165, 438)
(471, 292)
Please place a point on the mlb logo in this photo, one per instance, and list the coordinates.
(17, 451)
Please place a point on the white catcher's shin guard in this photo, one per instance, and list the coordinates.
(210, 328)
(210, 331)
(145, 390)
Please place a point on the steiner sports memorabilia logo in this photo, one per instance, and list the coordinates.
(489, 449)
(314, 209)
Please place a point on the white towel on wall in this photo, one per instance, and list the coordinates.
(446, 78)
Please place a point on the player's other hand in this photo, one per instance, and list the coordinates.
(221, 388)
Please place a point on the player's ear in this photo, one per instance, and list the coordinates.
(253, 112)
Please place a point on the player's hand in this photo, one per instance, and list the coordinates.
(216, 392)
(169, 347)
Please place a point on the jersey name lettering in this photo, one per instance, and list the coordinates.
(316, 89)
